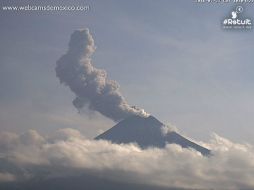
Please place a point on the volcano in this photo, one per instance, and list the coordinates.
(147, 132)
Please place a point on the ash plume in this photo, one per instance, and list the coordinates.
(91, 85)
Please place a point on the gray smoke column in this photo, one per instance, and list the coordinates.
(91, 85)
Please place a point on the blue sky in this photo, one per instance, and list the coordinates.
(171, 58)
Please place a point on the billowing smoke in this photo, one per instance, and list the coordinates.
(91, 85)
(68, 153)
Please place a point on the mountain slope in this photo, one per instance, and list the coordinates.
(147, 132)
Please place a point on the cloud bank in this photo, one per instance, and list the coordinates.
(91, 85)
(68, 153)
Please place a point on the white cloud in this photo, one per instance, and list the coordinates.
(231, 166)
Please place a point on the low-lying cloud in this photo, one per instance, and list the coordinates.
(91, 85)
(68, 153)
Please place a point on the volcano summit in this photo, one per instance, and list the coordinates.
(147, 132)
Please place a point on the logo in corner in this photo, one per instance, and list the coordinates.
(237, 20)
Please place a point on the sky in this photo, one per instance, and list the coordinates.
(171, 58)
